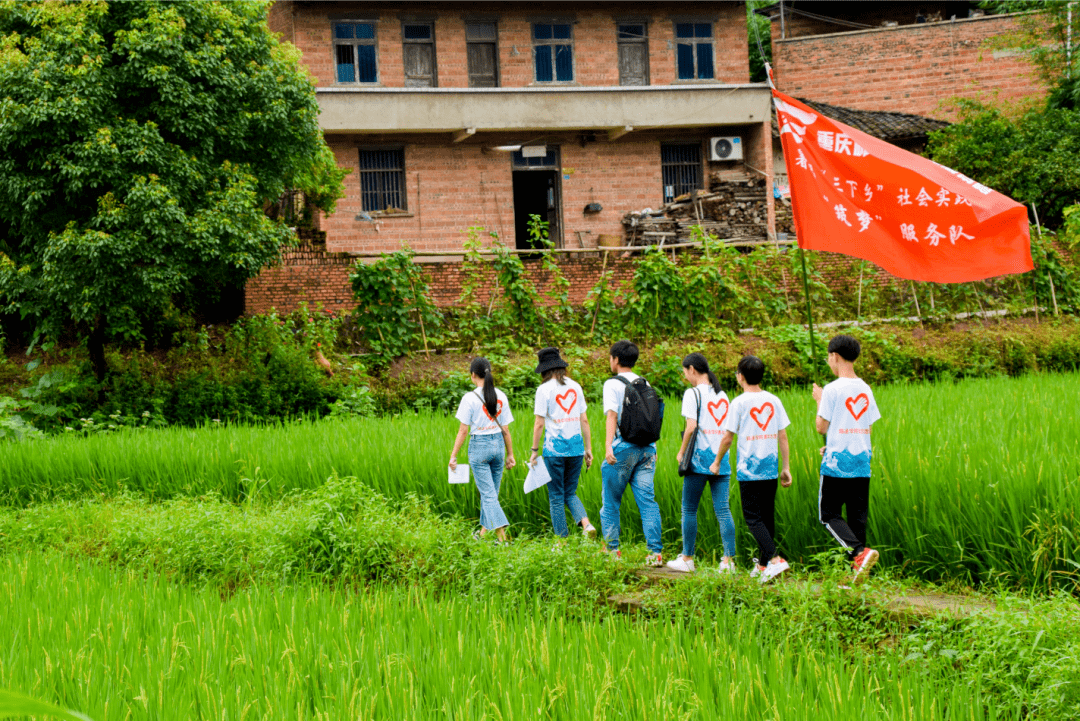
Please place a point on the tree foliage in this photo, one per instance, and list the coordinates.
(139, 143)
(1033, 159)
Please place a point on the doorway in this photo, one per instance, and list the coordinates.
(537, 192)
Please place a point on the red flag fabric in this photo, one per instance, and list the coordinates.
(854, 194)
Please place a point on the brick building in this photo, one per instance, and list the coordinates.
(454, 115)
(901, 57)
(459, 115)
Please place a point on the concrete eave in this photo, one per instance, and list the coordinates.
(617, 109)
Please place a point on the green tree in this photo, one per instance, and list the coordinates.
(758, 30)
(139, 143)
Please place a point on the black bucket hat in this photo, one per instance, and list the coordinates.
(549, 360)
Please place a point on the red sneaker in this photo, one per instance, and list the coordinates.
(862, 564)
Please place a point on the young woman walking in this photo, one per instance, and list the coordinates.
(561, 420)
(705, 407)
(485, 414)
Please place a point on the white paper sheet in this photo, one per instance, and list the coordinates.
(461, 475)
(538, 476)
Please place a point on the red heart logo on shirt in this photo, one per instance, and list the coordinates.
(712, 411)
(861, 402)
(757, 413)
(498, 410)
(561, 400)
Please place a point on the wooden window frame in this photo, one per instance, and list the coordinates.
(423, 41)
(373, 41)
(494, 42)
(644, 40)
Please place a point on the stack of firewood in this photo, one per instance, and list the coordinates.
(730, 210)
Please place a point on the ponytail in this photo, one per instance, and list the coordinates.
(481, 368)
(698, 362)
(713, 381)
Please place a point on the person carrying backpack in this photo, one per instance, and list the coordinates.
(633, 416)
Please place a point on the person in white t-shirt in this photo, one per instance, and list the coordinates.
(485, 416)
(705, 407)
(561, 421)
(626, 464)
(758, 418)
(846, 410)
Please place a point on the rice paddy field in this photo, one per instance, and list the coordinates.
(118, 645)
(977, 481)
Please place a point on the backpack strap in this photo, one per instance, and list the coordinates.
(629, 385)
(496, 418)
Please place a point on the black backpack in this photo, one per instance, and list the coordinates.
(642, 413)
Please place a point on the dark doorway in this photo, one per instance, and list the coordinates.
(536, 192)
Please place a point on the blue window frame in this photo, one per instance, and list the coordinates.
(694, 51)
(354, 53)
(553, 52)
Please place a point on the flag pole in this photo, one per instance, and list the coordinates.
(809, 314)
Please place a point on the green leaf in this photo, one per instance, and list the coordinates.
(16, 704)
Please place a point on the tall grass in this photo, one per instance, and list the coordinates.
(122, 646)
(978, 480)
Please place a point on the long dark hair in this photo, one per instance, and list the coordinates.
(698, 363)
(481, 368)
(559, 374)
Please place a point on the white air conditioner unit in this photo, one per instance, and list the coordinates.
(726, 148)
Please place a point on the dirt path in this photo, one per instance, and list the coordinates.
(902, 605)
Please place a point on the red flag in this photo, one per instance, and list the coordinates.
(854, 194)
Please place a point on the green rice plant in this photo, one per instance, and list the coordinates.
(126, 646)
(16, 704)
(977, 480)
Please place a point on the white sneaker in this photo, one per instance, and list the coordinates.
(774, 569)
(727, 568)
(682, 565)
(589, 531)
(756, 570)
(654, 560)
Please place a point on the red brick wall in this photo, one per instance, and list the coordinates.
(450, 188)
(907, 69)
(595, 50)
(314, 277)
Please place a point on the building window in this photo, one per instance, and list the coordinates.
(694, 51)
(481, 47)
(681, 169)
(633, 54)
(553, 53)
(418, 40)
(550, 159)
(354, 53)
(382, 179)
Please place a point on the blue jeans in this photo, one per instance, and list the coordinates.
(565, 472)
(634, 466)
(693, 487)
(487, 455)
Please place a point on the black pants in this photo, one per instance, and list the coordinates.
(758, 509)
(834, 495)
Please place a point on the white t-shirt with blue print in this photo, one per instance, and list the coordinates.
(848, 405)
(561, 407)
(614, 395)
(714, 411)
(757, 419)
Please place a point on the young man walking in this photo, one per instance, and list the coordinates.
(846, 410)
(626, 464)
